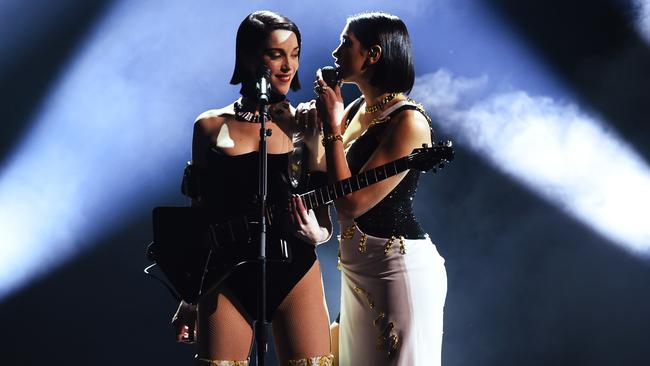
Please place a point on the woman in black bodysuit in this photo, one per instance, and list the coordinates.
(225, 161)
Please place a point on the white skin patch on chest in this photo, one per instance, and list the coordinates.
(223, 139)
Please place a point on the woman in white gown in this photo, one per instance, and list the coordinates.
(393, 279)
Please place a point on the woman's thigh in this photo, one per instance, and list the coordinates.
(223, 332)
(301, 322)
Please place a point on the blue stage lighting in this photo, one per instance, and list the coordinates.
(643, 18)
(566, 155)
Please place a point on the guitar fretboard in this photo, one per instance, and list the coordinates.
(327, 194)
(421, 159)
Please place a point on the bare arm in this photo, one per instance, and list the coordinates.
(406, 132)
(206, 128)
(308, 122)
(409, 130)
(184, 320)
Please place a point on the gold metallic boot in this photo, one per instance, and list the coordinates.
(313, 361)
(205, 362)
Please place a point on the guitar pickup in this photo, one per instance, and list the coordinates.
(285, 250)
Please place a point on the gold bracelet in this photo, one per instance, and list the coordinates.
(329, 138)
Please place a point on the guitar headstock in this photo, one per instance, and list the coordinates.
(435, 157)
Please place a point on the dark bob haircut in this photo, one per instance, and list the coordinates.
(252, 34)
(394, 72)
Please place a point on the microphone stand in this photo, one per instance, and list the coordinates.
(261, 336)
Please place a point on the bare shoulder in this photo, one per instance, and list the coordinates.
(411, 123)
(212, 120)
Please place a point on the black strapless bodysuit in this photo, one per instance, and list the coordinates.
(228, 187)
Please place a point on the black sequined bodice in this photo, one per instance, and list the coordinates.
(392, 216)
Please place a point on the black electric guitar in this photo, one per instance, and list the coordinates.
(196, 254)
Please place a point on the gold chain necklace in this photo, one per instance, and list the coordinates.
(418, 107)
(379, 106)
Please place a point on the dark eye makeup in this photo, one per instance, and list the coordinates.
(275, 53)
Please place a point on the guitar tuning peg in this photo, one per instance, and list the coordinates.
(425, 145)
(449, 143)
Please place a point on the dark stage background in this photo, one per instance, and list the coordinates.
(117, 85)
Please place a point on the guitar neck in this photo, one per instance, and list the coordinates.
(421, 159)
(325, 195)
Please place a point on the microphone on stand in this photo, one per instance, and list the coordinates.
(263, 85)
(330, 75)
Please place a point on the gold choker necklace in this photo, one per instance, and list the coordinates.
(379, 106)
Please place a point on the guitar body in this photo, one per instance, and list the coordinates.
(196, 250)
(180, 248)
(196, 255)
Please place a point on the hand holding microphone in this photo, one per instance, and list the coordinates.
(331, 76)
(329, 102)
(306, 115)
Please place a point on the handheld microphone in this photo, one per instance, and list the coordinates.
(330, 75)
(263, 84)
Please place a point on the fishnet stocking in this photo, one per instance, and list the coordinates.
(301, 323)
(222, 331)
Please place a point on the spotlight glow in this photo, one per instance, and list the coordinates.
(643, 18)
(113, 132)
(568, 157)
(111, 135)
